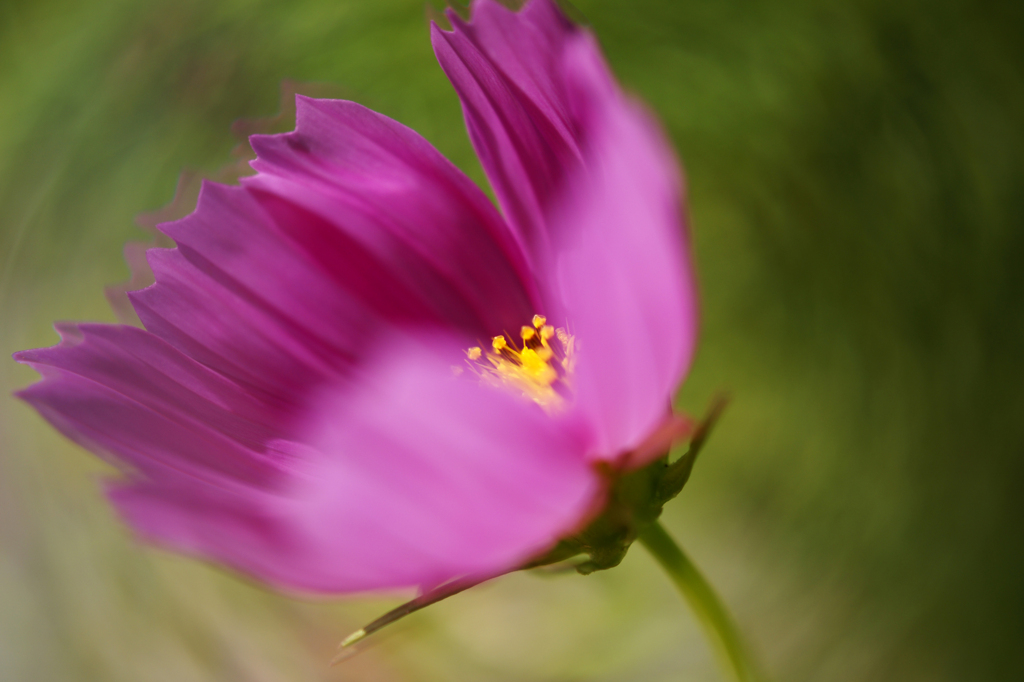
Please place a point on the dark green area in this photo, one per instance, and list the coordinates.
(856, 173)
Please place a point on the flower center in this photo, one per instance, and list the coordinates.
(539, 366)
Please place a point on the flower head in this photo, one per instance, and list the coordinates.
(290, 408)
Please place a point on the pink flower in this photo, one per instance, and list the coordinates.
(356, 374)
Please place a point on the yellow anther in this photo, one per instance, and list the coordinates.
(538, 367)
(532, 363)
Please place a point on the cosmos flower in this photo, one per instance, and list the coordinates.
(356, 374)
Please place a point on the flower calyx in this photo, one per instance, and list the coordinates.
(635, 498)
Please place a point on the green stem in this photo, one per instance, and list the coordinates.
(710, 610)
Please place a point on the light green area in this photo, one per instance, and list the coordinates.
(719, 627)
(855, 173)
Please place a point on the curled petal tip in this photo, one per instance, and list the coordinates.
(346, 650)
(353, 638)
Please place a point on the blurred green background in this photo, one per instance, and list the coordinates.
(855, 172)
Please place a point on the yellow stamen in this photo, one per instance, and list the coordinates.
(541, 369)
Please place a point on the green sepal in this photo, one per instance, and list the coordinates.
(635, 501)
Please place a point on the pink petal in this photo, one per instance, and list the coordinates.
(133, 399)
(415, 478)
(507, 69)
(593, 189)
(622, 262)
(388, 190)
(241, 297)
